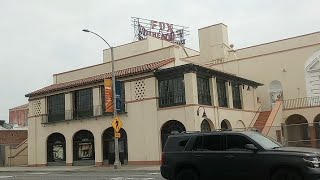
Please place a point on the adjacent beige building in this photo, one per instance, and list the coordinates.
(165, 88)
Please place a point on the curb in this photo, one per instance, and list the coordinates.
(88, 169)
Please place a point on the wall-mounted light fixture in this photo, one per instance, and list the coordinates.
(204, 115)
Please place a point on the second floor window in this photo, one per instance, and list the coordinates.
(82, 103)
(236, 96)
(56, 108)
(171, 92)
(204, 96)
(222, 93)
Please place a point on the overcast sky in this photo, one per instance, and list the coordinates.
(39, 38)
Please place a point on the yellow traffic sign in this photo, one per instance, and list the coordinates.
(117, 135)
(117, 124)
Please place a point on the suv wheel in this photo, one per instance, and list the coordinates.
(286, 174)
(187, 174)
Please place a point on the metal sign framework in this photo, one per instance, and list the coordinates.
(166, 31)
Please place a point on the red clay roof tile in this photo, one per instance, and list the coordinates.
(99, 78)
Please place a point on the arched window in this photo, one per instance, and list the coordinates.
(205, 126)
(170, 127)
(56, 148)
(83, 145)
(225, 124)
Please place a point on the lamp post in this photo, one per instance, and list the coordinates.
(117, 162)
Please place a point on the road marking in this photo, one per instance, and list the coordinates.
(154, 173)
(2, 177)
(38, 173)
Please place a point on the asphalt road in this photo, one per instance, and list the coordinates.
(110, 175)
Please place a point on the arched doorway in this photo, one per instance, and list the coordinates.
(240, 126)
(297, 130)
(225, 124)
(168, 128)
(275, 91)
(56, 149)
(83, 148)
(206, 125)
(108, 146)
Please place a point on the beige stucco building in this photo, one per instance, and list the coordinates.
(164, 88)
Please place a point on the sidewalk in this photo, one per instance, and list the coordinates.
(80, 168)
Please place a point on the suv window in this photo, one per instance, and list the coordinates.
(176, 143)
(208, 142)
(237, 142)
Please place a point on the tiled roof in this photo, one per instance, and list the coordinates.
(99, 78)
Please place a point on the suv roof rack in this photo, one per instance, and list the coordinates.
(185, 132)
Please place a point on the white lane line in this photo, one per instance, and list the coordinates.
(38, 173)
(154, 173)
(2, 177)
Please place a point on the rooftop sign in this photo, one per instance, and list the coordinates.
(162, 30)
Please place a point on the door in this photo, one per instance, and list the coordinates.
(111, 151)
(241, 162)
(207, 156)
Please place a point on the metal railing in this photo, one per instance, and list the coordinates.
(72, 114)
(170, 100)
(301, 102)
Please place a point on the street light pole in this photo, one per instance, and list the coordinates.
(117, 162)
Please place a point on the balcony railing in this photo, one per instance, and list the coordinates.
(171, 100)
(301, 102)
(74, 114)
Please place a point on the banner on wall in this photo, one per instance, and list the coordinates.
(108, 95)
(119, 98)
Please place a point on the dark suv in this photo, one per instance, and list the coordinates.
(236, 155)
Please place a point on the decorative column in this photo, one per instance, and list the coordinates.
(68, 106)
(229, 91)
(98, 153)
(97, 104)
(215, 100)
(69, 151)
(313, 136)
(191, 89)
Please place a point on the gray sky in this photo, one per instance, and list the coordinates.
(39, 38)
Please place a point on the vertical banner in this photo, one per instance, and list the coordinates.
(119, 103)
(108, 95)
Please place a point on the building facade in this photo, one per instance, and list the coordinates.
(289, 70)
(161, 93)
(18, 116)
(165, 88)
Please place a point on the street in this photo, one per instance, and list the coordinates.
(62, 175)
